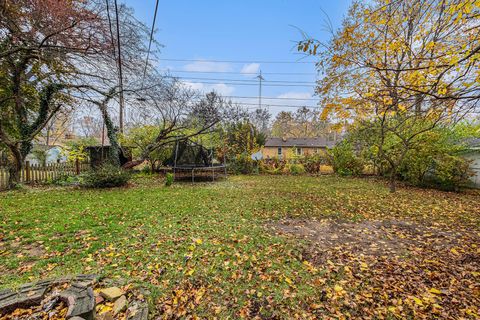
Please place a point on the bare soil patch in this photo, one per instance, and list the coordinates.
(410, 270)
(368, 237)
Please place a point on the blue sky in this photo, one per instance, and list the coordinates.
(241, 30)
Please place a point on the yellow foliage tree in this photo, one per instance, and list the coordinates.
(407, 65)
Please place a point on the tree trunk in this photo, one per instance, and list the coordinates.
(392, 181)
(114, 156)
(15, 167)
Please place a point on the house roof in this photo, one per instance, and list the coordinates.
(319, 142)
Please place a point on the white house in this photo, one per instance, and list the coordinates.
(473, 154)
(54, 155)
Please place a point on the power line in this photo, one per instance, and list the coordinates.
(271, 98)
(236, 61)
(120, 75)
(254, 84)
(278, 105)
(244, 73)
(150, 43)
(268, 105)
(244, 80)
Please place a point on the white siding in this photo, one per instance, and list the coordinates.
(475, 166)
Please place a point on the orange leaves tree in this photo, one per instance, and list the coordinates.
(401, 68)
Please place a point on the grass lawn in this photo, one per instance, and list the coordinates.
(232, 249)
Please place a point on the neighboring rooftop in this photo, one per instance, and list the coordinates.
(319, 142)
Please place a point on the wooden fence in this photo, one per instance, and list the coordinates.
(35, 173)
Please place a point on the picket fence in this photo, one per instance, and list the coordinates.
(37, 174)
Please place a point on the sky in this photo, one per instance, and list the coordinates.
(227, 42)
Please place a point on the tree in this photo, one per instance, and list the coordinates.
(241, 138)
(57, 128)
(260, 118)
(434, 160)
(178, 113)
(283, 125)
(304, 122)
(41, 155)
(140, 138)
(406, 66)
(61, 54)
(344, 160)
(240, 142)
(39, 42)
(76, 150)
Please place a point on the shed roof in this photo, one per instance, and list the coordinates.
(318, 142)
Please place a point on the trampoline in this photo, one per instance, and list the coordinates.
(192, 161)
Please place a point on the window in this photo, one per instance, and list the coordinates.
(299, 151)
(279, 151)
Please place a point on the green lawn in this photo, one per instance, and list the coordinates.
(205, 249)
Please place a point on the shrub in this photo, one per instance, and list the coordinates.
(66, 180)
(450, 173)
(146, 170)
(295, 169)
(314, 163)
(168, 179)
(344, 160)
(435, 161)
(272, 166)
(106, 176)
(242, 164)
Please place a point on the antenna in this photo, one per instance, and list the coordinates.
(260, 79)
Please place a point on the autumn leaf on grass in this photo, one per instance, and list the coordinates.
(435, 291)
(51, 266)
(418, 301)
(454, 251)
(363, 266)
(339, 290)
(392, 309)
(289, 281)
(309, 267)
(200, 293)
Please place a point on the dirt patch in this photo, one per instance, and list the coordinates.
(34, 251)
(370, 238)
(418, 270)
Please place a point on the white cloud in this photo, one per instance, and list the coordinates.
(250, 68)
(207, 66)
(219, 88)
(222, 88)
(296, 95)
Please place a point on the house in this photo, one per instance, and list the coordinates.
(44, 155)
(473, 154)
(284, 148)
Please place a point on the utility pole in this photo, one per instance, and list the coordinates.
(120, 75)
(260, 78)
